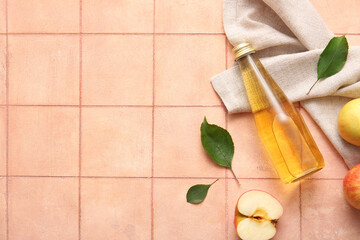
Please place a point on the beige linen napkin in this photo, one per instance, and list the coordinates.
(289, 36)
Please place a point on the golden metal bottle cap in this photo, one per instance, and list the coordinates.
(242, 49)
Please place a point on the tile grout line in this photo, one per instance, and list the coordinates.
(130, 177)
(80, 113)
(102, 106)
(300, 209)
(226, 171)
(137, 33)
(152, 129)
(226, 198)
(7, 119)
(114, 33)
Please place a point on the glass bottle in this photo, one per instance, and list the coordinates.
(281, 128)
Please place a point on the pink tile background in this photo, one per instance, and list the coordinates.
(43, 208)
(3, 208)
(116, 141)
(3, 16)
(108, 63)
(50, 16)
(3, 140)
(43, 141)
(49, 69)
(100, 108)
(112, 16)
(3, 69)
(115, 208)
(188, 17)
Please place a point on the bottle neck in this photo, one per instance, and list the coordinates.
(273, 101)
(260, 87)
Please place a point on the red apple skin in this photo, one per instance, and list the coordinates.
(237, 214)
(351, 187)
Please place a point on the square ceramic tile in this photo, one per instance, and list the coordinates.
(3, 141)
(116, 141)
(184, 66)
(325, 212)
(43, 16)
(126, 16)
(117, 69)
(115, 209)
(334, 164)
(331, 10)
(3, 208)
(288, 196)
(43, 208)
(3, 70)
(177, 142)
(44, 141)
(176, 219)
(44, 69)
(188, 16)
(250, 159)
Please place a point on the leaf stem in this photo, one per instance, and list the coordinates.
(235, 176)
(214, 182)
(312, 87)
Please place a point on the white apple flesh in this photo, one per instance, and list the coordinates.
(256, 215)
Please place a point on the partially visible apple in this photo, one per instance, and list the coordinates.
(349, 122)
(256, 215)
(351, 186)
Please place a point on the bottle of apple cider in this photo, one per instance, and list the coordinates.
(282, 130)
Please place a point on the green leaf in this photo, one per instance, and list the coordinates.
(332, 59)
(197, 193)
(218, 143)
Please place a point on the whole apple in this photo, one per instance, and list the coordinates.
(351, 186)
(349, 122)
(256, 215)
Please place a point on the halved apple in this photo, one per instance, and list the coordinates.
(256, 215)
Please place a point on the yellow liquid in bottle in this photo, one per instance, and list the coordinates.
(281, 128)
